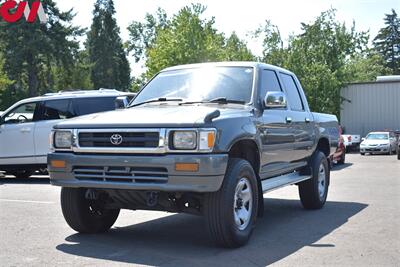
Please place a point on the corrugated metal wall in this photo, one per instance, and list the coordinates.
(374, 106)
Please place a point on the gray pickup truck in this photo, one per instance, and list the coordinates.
(206, 139)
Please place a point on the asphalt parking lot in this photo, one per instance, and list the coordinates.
(359, 226)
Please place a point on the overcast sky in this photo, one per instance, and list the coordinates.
(245, 16)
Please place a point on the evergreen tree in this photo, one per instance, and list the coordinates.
(387, 42)
(31, 50)
(109, 65)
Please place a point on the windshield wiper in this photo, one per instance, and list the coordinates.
(161, 99)
(219, 100)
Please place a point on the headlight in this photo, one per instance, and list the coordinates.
(201, 140)
(63, 139)
(185, 140)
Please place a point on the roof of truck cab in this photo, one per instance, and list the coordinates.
(251, 64)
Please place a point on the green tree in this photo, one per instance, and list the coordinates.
(319, 56)
(387, 42)
(183, 39)
(109, 65)
(187, 39)
(4, 81)
(236, 50)
(273, 50)
(142, 34)
(75, 77)
(32, 49)
(365, 68)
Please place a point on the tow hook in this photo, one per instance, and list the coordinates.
(152, 199)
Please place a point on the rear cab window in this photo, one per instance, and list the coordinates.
(292, 91)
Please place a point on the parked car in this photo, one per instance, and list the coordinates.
(26, 126)
(351, 142)
(379, 143)
(206, 139)
(340, 155)
(398, 150)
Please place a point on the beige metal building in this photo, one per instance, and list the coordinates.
(371, 106)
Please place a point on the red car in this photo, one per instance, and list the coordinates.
(340, 155)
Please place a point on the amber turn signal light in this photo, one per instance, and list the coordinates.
(57, 164)
(187, 167)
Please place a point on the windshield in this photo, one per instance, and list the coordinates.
(200, 84)
(378, 137)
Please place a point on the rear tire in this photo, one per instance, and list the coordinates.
(362, 154)
(232, 211)
(313, 192)
(24, 174)
(85, 216)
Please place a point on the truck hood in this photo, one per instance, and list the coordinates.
(160, 115)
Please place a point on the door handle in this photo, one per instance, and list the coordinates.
(307, 120)
(288, 119)
(25, 130)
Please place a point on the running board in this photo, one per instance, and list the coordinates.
(281, 181)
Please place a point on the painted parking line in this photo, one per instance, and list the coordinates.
(26, 201)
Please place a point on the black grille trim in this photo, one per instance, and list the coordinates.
(121, 174)
(130, 139)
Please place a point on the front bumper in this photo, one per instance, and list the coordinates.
(150, 172)
(374, 149)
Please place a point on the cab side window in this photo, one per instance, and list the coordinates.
(22, 114)
(57, 110)
(292, 92)
(269, 83)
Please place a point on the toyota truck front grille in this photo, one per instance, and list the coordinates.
(121, 174)
(119, 139)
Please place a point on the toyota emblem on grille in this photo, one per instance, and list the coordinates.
(116, 139)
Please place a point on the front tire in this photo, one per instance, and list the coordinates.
(313, 192)
(85, 216)
(232, 211)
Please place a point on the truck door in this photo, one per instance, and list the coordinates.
(301, 119)
(276, 133)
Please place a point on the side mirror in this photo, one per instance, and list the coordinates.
(275, 100)
(362, 139)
